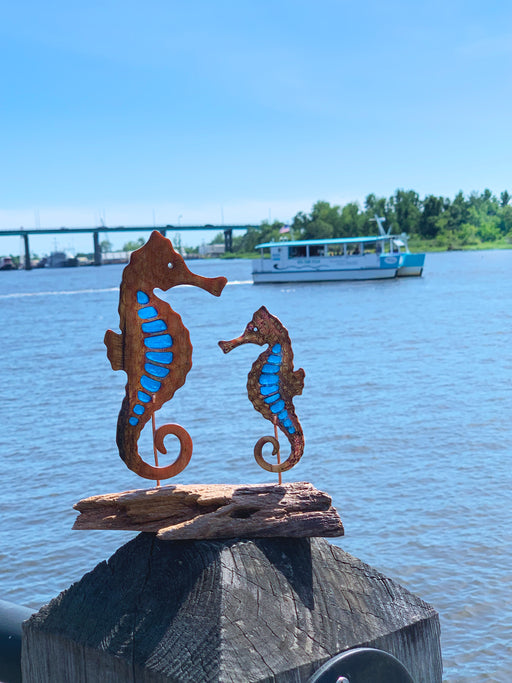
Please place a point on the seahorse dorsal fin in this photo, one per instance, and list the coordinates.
(114, 343)
(298, 376)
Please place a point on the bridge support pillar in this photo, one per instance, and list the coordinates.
(97, 249)
(28, 263)
(228, 240)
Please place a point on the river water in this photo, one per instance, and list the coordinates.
(406, 413)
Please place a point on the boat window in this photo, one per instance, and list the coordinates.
(316, 250)
(336, 249)
(297, 252)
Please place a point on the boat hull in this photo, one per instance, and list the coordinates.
(6, 263)
(411, 265)
(311, 261)
(290, 275)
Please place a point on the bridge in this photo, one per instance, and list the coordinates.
(25, 233)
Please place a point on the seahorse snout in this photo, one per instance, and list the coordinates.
(228, 346)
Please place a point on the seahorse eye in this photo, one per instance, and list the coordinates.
(170, 266)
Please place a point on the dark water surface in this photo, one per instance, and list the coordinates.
(406, 412)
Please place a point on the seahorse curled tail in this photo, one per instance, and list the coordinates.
(297, 444)
(128, 449)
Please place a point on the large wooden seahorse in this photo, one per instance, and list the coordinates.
(272, 383)
(153, 349)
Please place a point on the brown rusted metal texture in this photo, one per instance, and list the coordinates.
(153, 349)
(272, 383)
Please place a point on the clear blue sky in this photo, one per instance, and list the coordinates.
(238, 110)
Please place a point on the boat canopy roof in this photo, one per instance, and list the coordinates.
(336, 240)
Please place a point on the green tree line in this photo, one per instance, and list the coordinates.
(440, 222)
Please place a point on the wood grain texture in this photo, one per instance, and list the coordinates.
(198, 511)
(237, 611)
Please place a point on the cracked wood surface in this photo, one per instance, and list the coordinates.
(203, 511)
(235, 611)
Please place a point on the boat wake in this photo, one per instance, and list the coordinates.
(20, 295)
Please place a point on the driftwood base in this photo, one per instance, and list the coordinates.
(198, 511)
(238, 611)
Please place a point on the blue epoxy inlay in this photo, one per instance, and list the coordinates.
(270, 369)
(283, 415)
(159, 356)
(162, 341)
(266, 391)
(142, 297)
(275, 360)
(133, 421)
(291, 430)
(276, 348)
(147, 312)
(145, 398)
(154, 326)
(287, 422)
(272, 399)
(267, 379)
(277, 407)
(138, 409)
(150, 384)
(156, 370)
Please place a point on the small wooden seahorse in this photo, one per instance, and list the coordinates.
(153, 349)
(272, 383)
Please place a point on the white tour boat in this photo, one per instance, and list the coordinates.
(347, 258)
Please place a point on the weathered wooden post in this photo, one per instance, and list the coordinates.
(272, 609)
(225, 583)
